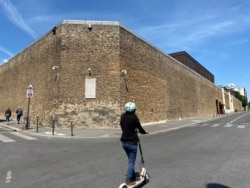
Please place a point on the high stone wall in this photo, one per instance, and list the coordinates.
(163, 88)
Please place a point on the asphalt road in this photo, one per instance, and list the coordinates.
(214, 154)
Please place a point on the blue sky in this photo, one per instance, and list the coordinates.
(216, 32)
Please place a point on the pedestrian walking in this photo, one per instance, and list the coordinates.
(7, 115)
(19, 113)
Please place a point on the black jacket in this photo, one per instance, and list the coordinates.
(129, 124)
(8, 112)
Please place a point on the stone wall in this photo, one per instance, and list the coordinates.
(31, 65)
(237, 105)
(163, 88)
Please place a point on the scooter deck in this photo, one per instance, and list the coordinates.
(138, 183)
(144, 179)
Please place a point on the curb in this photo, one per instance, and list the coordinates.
(9, 127)
(48, 133)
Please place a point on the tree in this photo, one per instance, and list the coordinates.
(242, 98)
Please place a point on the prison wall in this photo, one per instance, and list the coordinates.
(163, 88)
(124, 66)
(89, 53)
(60, 93)
(30, 66)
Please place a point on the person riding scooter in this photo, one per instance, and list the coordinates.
(129, 123)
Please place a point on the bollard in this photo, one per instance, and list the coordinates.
(37, 123)
(53, 125)
(71, 124)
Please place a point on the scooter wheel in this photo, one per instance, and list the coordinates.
(124, 186)
(147, 178)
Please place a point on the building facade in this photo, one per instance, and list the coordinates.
(190, 62)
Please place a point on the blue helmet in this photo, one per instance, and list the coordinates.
(130, 107)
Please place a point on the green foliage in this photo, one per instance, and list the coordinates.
(242, 98)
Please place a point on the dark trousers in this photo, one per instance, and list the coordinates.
(18, 118)
(7, 118)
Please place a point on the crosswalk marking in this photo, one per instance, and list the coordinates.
(204, 125)
(215, 125)
(24, 136)
(241, 126)
(228, 125)
(5, 139)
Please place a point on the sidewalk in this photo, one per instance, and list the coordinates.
(101, 132)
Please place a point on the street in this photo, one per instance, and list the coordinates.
(213, 154)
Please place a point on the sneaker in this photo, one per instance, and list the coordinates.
(130, 182)
(138, 178)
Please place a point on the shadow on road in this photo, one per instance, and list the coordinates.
(216, 185)
(2, 120)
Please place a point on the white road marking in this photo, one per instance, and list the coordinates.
(215, 125)
(228, 125)
(241, 126)
(8, 177)
(24, 136)
(5, 139)
(203, 125)
(239, 117)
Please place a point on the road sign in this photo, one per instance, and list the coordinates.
(30, 91)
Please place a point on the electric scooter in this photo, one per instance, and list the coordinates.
(143, 173)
